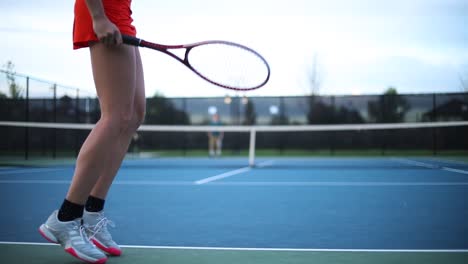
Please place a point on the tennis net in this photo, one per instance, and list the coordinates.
(26, 140)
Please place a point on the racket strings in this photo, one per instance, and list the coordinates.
(229, 65)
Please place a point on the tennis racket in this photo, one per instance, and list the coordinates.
(222, 63)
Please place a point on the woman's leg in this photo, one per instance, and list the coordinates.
(117, 74)
(107, 176)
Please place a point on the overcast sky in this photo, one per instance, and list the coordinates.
(361, 46)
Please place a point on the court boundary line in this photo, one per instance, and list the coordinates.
(415, 163)
(222, 176)
(330, 184)
(428, 165)
(265, 164)
(254, 183)
(448, 160)
(455, 170)
(231, 173)
(262, 249)
(33, 170)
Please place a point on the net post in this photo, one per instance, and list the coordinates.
(77, 120)
(252, 148)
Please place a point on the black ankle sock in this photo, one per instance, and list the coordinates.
(94, 204)
(70, 211)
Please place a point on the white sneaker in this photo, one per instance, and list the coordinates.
(72, 236)
(96, 228)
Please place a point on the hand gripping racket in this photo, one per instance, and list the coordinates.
(222, 63)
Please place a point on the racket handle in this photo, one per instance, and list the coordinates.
(131, 40)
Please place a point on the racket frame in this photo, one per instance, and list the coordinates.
(134, 41)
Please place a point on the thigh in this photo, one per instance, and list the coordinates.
(115, 77)
(140, 98)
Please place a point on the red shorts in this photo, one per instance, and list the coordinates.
(118, 12)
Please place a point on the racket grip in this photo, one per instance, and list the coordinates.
(131, 40)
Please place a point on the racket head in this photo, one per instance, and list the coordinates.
(227, 64)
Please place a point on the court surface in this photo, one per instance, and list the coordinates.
(284, 210)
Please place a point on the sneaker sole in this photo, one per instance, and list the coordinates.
(47, 234)
(43, 230)
(72, 252)
(108, 250)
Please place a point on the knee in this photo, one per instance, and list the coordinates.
(138, 117)
(128, 123)
(123, 123)
(116, 123)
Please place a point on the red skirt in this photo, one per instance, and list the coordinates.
(118, 12)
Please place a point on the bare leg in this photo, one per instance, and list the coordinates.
(106, 178)
(119, 83)
(211, 143)
(218, 146)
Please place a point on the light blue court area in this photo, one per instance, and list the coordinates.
(283, 210)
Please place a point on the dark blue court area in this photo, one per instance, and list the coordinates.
(383, 204)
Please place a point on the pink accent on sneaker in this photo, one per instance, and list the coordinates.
(45, 236)
(110, 250)
(72, 252)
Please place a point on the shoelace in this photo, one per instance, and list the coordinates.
(83, 233)
(82, 228)
(100, 225)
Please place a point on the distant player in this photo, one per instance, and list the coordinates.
(215, 138)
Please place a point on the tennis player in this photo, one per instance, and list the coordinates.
(215, 138)
(80, 225)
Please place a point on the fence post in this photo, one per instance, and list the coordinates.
(54, 143)
(331, 135)
(77, 119)
(282, 121)
(434, 130)
(185, 135)
(26, 117)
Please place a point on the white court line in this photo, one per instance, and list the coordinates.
(429, 166)
(330, 184)
(202, 181)
(34, 182)
(265, 164)
(153, 182)
(456, 162)
(415, 163)
(231, 173)
(145, 183)
(30, 170)
(243, 183)
(455, 170)
(300, 249)
(222, 175)
(263, 249)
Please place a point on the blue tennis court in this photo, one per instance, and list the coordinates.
(306, 207)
